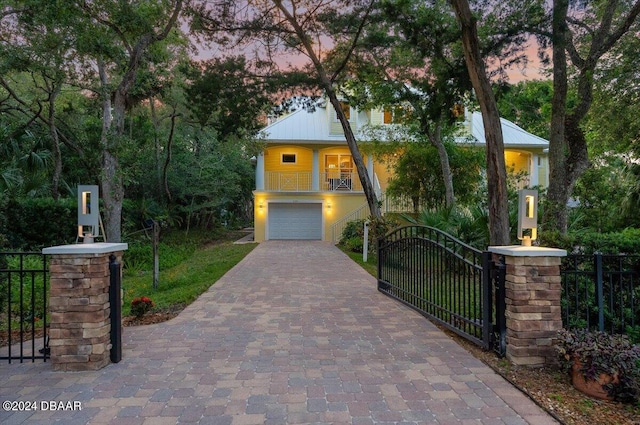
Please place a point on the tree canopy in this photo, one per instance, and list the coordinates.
(108, 92)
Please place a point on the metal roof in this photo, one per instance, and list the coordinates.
(302, 126)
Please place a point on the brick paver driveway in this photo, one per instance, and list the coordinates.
(294, 334)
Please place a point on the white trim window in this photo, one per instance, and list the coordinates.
(288, 158)
(396, 114)
(346, 108)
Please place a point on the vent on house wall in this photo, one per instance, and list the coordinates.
(288, 158)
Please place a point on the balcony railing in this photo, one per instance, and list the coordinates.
(303, 182)
(288, 182)
(339, 181)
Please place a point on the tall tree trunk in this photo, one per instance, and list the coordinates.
(367, 186)
(110, 181)
(568, 155)
(156, 143)
(165, 168)
(496, 169)
(557, 195)
(114, 129)
(447, 176)
(55, 141)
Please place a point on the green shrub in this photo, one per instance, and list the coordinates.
(353, 234)
(633, 332)
(555, 239)
(35, 223)
(353, 244)
(601, 353)
(470, 225)
(29, 285)
(352, 238)
(3, 285)
(353, 228)
(626, 241)
(4, 242)
(141, 305)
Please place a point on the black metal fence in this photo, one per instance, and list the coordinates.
(23, 306)
(446, 280)
(602, 292)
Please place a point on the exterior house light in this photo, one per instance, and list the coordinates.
(88, 215)
(527, 216)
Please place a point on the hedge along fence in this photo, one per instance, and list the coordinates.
(34, 223)
(600, 280)
(602, 292)
(588, 242)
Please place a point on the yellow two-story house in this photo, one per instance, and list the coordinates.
(307, 186)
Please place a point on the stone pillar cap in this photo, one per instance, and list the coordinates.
(527, 251)
(86, 248)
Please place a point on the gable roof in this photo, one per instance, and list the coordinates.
(313, 127)
(302, 126)
(513, 135)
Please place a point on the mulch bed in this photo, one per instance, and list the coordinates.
(551, 388)
(154, 316)
(15, 336)
(148, 319)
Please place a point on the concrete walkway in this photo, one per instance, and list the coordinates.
(295, 334)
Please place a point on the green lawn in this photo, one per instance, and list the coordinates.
(181, 284)
(370, 266)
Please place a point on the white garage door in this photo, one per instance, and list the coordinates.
(295, 221)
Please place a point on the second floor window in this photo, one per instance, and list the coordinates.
(338, 164)
(288, 158)
(395, 114)
(346, 108)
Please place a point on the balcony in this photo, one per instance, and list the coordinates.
(287, 182)
(334, 181)
(338, 181)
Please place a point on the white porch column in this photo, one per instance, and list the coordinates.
(260, 172)
(534, 180)
(315, 171)
(372, 174)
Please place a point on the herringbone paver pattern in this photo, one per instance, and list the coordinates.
(295, 334)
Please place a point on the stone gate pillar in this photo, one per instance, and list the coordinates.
(80, 325)
(533, 289)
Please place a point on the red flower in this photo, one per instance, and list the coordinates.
(141, 305)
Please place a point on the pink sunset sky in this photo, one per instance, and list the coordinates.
(532, 71)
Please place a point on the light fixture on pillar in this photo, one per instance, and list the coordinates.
(527, 216)
(88, 215)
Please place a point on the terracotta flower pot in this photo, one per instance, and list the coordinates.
(593, 388)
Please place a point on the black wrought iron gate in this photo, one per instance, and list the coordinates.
(23, 306)
(451, 283)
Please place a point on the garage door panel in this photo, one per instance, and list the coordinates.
(295, 221)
